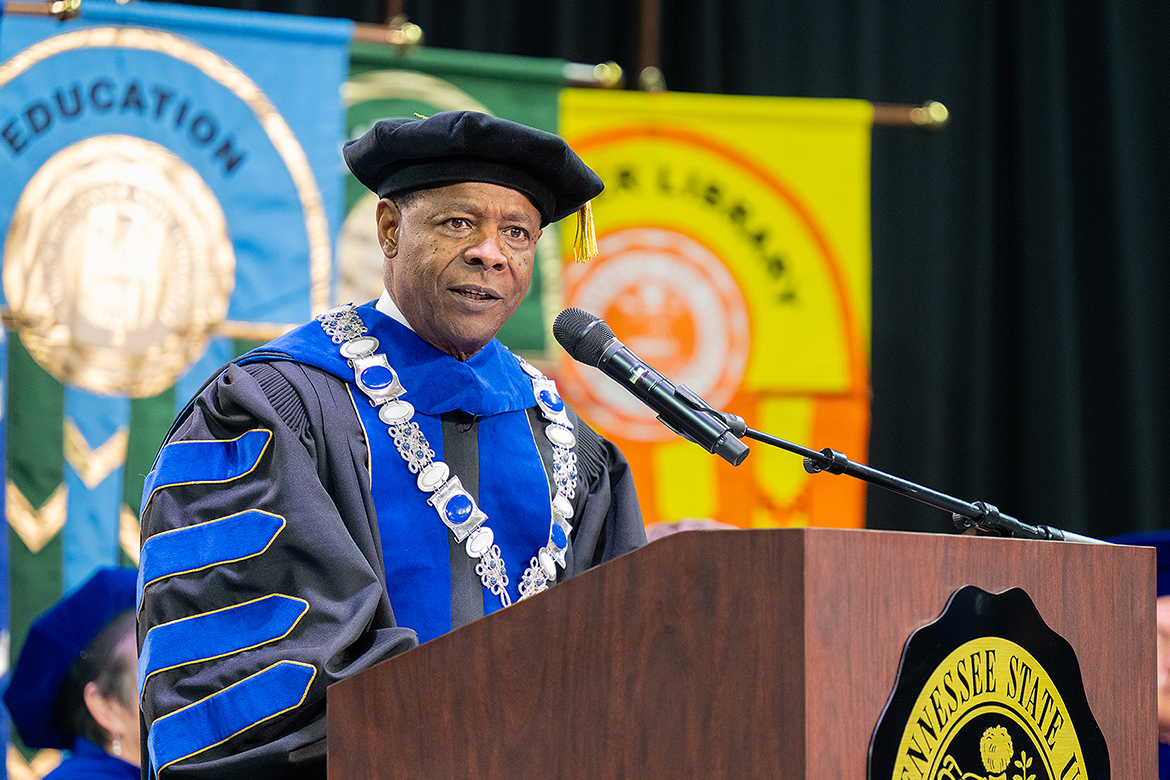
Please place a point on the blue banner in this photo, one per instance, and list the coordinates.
(172, 194)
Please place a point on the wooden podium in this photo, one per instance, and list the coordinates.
(733, 654)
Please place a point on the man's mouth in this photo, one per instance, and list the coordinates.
(476, 293)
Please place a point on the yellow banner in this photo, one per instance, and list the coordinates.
(734, 259)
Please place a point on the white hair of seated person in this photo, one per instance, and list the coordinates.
(664, 528)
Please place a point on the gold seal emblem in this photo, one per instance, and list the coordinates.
(992, 702)
(988, 692)
(118, 265)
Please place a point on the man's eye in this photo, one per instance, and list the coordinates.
(517, 233)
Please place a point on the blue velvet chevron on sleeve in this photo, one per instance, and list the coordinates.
(259, 585)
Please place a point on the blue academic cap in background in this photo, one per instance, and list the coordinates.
(54, 642)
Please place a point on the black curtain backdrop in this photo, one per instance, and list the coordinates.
(1019, 255)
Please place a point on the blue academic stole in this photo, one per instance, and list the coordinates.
(513, 484)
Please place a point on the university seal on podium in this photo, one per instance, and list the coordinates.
(118, 265)
(988, 692)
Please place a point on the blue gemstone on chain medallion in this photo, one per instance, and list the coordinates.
(559, 537)
(378, 377)
(551, 400)
(459, 508)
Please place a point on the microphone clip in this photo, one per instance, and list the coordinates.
(729, 449)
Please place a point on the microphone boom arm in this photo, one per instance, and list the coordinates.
(589, 340)
(980, 515)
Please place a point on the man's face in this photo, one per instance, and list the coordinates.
(458, 261)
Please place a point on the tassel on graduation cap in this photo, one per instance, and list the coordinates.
(585, 242)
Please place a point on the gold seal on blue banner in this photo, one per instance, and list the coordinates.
(118, 265)
(121, 340)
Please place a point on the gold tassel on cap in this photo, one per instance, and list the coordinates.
(585, 242)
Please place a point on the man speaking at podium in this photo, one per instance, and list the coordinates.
(377, 477)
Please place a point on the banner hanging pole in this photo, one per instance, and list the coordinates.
(62, 9)
(931, 115)
(398, 32)
(405, 35)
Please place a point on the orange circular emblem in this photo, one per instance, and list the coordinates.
(673, 302)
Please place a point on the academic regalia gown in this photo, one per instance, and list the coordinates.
(286, 545)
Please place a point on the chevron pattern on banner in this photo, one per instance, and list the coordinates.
(94, 465)
(129, 533)
(44, 762)
(35, 526)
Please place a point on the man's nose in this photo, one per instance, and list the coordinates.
(487, 252)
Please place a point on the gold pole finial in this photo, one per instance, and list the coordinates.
(403, 33)
(399, 33)
(609, 74)
(603, 75)
(651, 79)
(930, 114)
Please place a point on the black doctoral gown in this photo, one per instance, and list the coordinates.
(264, 572)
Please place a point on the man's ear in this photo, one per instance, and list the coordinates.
(389, 219)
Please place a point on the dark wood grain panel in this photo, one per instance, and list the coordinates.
(867, 591)
(731, 654)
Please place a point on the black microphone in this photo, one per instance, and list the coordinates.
(589, 340)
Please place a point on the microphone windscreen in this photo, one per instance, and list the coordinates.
(583, 335)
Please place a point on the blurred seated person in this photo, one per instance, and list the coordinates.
(1159, 540)
(663, 528)
(74, 685)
